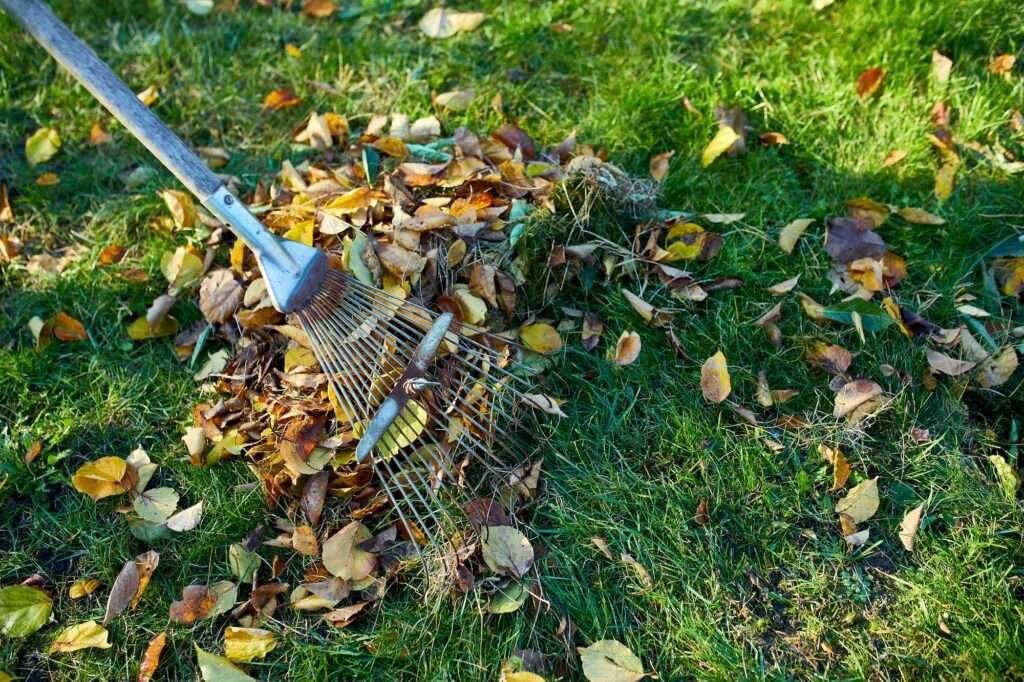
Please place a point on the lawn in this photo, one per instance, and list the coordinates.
(765, 586)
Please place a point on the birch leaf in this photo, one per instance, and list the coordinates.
(88, 635)
(908, 527)
(720, 143)
(861, 503)
(715, 382)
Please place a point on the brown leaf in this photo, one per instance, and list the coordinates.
(98, 135)
(602, 545)
(32, 452)
(627, 349)
(773, 139)
(592, 329)
(830, 357)
(894, 157)
(867, 210)
(869, 82)
(219, 296)
(314, 493)
(122, 591)
(854, 394)
(784, 287)
(909, 525)
(340, 618)
(659, 165)
(918, 216)
(840, 467)
(151, 658)
(943, 364)
(998, 369)
(112, 254)
(701, 518)
(146, 564)
(319, 9)
(847, 239)
(67, 328)
(304, 541)
(196, 602)
(639, 568)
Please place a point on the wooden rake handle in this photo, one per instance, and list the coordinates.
(88, 69)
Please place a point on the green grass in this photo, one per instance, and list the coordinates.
(766, 589)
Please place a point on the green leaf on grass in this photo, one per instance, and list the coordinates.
(23, 610)
(610, 661)
(508, 598)
(872, 317)
(243, 563)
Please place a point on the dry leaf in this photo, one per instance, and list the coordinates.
(280, 99)
(342, 556)
(715, 382)
(784, 287)
(1002, 65)
(918, 216)
(314, 493)
(719, 144)
(908, 527)
(540, 337)
(998, 369)
(88, 635)
(840, 466)
(341, 618)
(441, 22)
(456, 100)
(67, 328)
(627, 349)
(854, 394)
(659, 165)
(98, 135)
(181, 206)
(943, 364)
(791, 233)
(506, 550)
(894, 157)
(544, 403)
(773, 139)
(186, 519)
(196, 603)
(610, 661)
(219, 296)
(941, 66)
(861, 503)
(151, 658)
(83, 587)
(641, 572)
(123, 591)
(105, 477)
(219, 669)
(149, 95)
(318, 9)
(247, 644)
(303, 542)
(600, 543)
(869, 82)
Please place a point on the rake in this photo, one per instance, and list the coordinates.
(427, 397)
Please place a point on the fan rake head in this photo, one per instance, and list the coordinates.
(437, 407)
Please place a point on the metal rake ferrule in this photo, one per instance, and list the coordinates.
(413, 375)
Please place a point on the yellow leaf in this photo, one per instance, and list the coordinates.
(280, 99)
(540, 337)
(182, 268)
(919, 216)
(105, 477)
(791, 233)
(861, 503)
(610, 661)
(720, 143)
(456, 100)
(181, 206)
(302, 232)
(715, 382)
(945, 180)
(98, 135)
(246, 644)
(88, 635)
(149, 95)
(342, 556)
(48, 180)
(473, 308)
(894, 157)
(83, 587)
(41, 146)
(140, 329)
(292, 51)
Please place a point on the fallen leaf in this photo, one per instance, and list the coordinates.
(840, 466)
(792, 232)
(83, 587)
(441, 22)
(186, 519)
(67, 328)
(104, 477)
(997, 370)
(148, 95)
(47, 180)
(543, 403)
(88, 635)
(181, 267)
(219, 296)
(506, 550)
(861, 503)
(455, 100)
(342, 617)
(318, 9)
(509, 598)
(715, 382)
(151, 657)
(608, 660)
(941, 67)
(304, 542)
(869, 82)
(314, 493)
(1002, 65)
(98, 135)
(195, 604)
(659, 165)
(23, 610)
(123, 591)
(280, 99)
(600, 543)
(894, 157)
(971, 311)
(156, 505)
(908, 527)
(112, 254)
(830, 357)
(140, 329)
(41, 146)
(719, 144)
(848, 239)
(854, 394)
(627, 349)
(540, 337)
(773, 139)
(943, 364)
(215, 668)
(247, 644)
(342, 556)
(641, 572)
(918, 216)
(784, 287)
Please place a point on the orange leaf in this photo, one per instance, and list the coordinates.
(151, 659)
(869, 82)
(67, 328)
(280, 99)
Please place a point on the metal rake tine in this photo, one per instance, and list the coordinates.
(425, 429)
(402, 414)
(328, 363)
